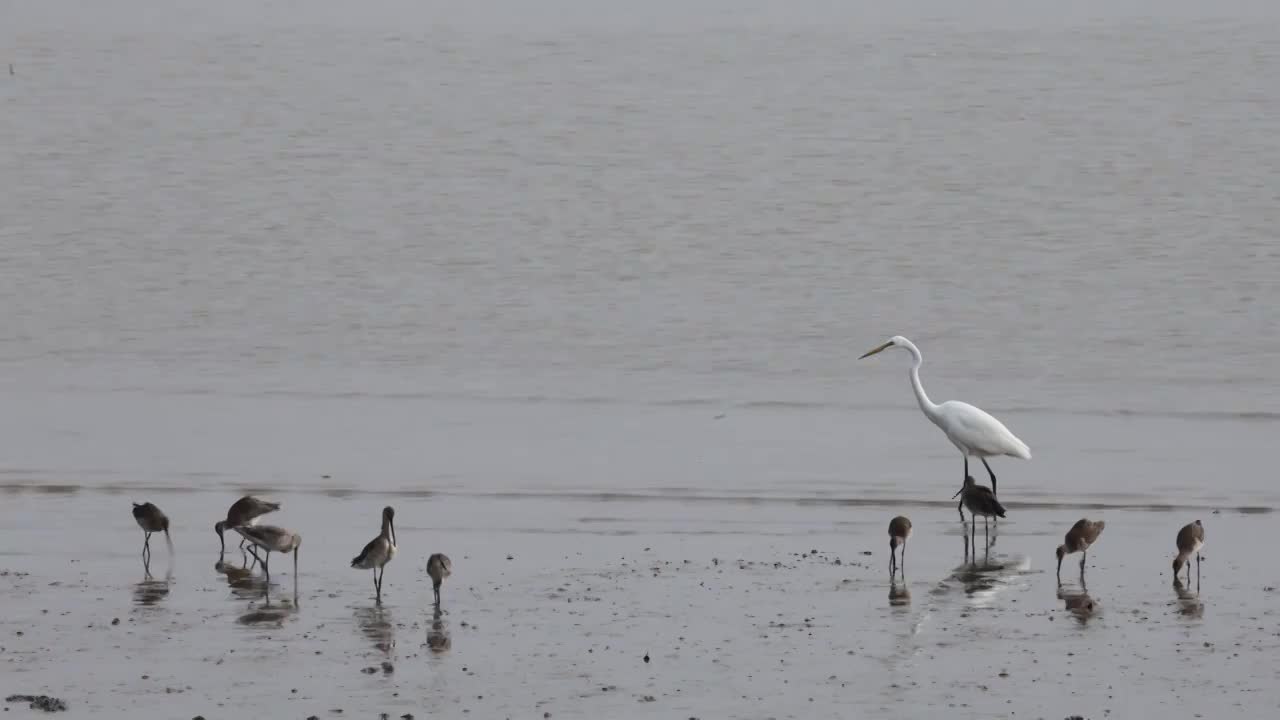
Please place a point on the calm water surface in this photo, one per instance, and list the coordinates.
(513, 245)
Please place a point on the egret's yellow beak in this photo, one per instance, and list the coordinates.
(869, 353)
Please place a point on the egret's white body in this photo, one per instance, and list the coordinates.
(972, 430)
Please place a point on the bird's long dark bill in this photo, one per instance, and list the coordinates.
(392, 523)
(953, 497)
(869, 353)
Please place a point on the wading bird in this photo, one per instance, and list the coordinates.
(970, 429)
(379, 551)
(438, 567)
(1190, 540)
(271, 538)
(244, 511)
(980, 501)
(151, 520)
(899, 531)
(1078, 539)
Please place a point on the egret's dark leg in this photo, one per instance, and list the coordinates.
(993, 475)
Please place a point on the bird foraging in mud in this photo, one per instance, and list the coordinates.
(1190, 540)
(379, 551)
(244, 511)
(1078, 539)
(439, 567)
(899, 531)
(151, 520)
(272, 539)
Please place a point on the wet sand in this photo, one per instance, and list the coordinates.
(555, 602)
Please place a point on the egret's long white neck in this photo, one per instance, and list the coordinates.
(926, 405)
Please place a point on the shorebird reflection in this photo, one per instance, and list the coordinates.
(1078, 602)
(151, 591)
(375, 623)
(1188, 602)
(438, 639)
(899, 595)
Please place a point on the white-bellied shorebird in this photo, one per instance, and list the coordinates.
(970, 429)
(1190, 540)
(379, 551)
(272, 539)
(151, 520)
(439, 567)
(899, 531)
(1078, 539)
(244, 511)
(981, 501)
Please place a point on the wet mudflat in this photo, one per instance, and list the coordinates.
(744, 609)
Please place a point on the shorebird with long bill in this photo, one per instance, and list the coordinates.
(151, 520)
(379, 551)
(244, 511)
(1078, 540)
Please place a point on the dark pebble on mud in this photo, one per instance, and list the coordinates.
(39, 702)
(383, 716)
(369, 670)
(115, 621)
(312, 717)
(388, 667)
(406, 716)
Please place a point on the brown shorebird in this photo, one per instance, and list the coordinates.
(1078, 539)
(379, 551)
(980, 501)
(244, 511)
(899, 531)
(1190, 540)
(438, 567)
(151, 520)
(272, 538)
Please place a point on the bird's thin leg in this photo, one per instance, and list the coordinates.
(1084, 555)
(902, 566)
(960, 506)
(993, 475)
(146, 542)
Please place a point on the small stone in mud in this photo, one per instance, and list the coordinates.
(384, 716)
(406, 716)
(648, 698)
(312, 717)
(646, 657)
(866, 552)
(115, 621)
(388, 667)
(369, 670)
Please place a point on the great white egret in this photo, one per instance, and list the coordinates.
(970, 429)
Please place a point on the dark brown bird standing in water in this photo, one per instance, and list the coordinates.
(899, 531)
(1078, 539)
(151, 520)
(244, 511)
(980, 501)
(438, 567)
(1190, 540)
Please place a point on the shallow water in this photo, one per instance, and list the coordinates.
(569, 285)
